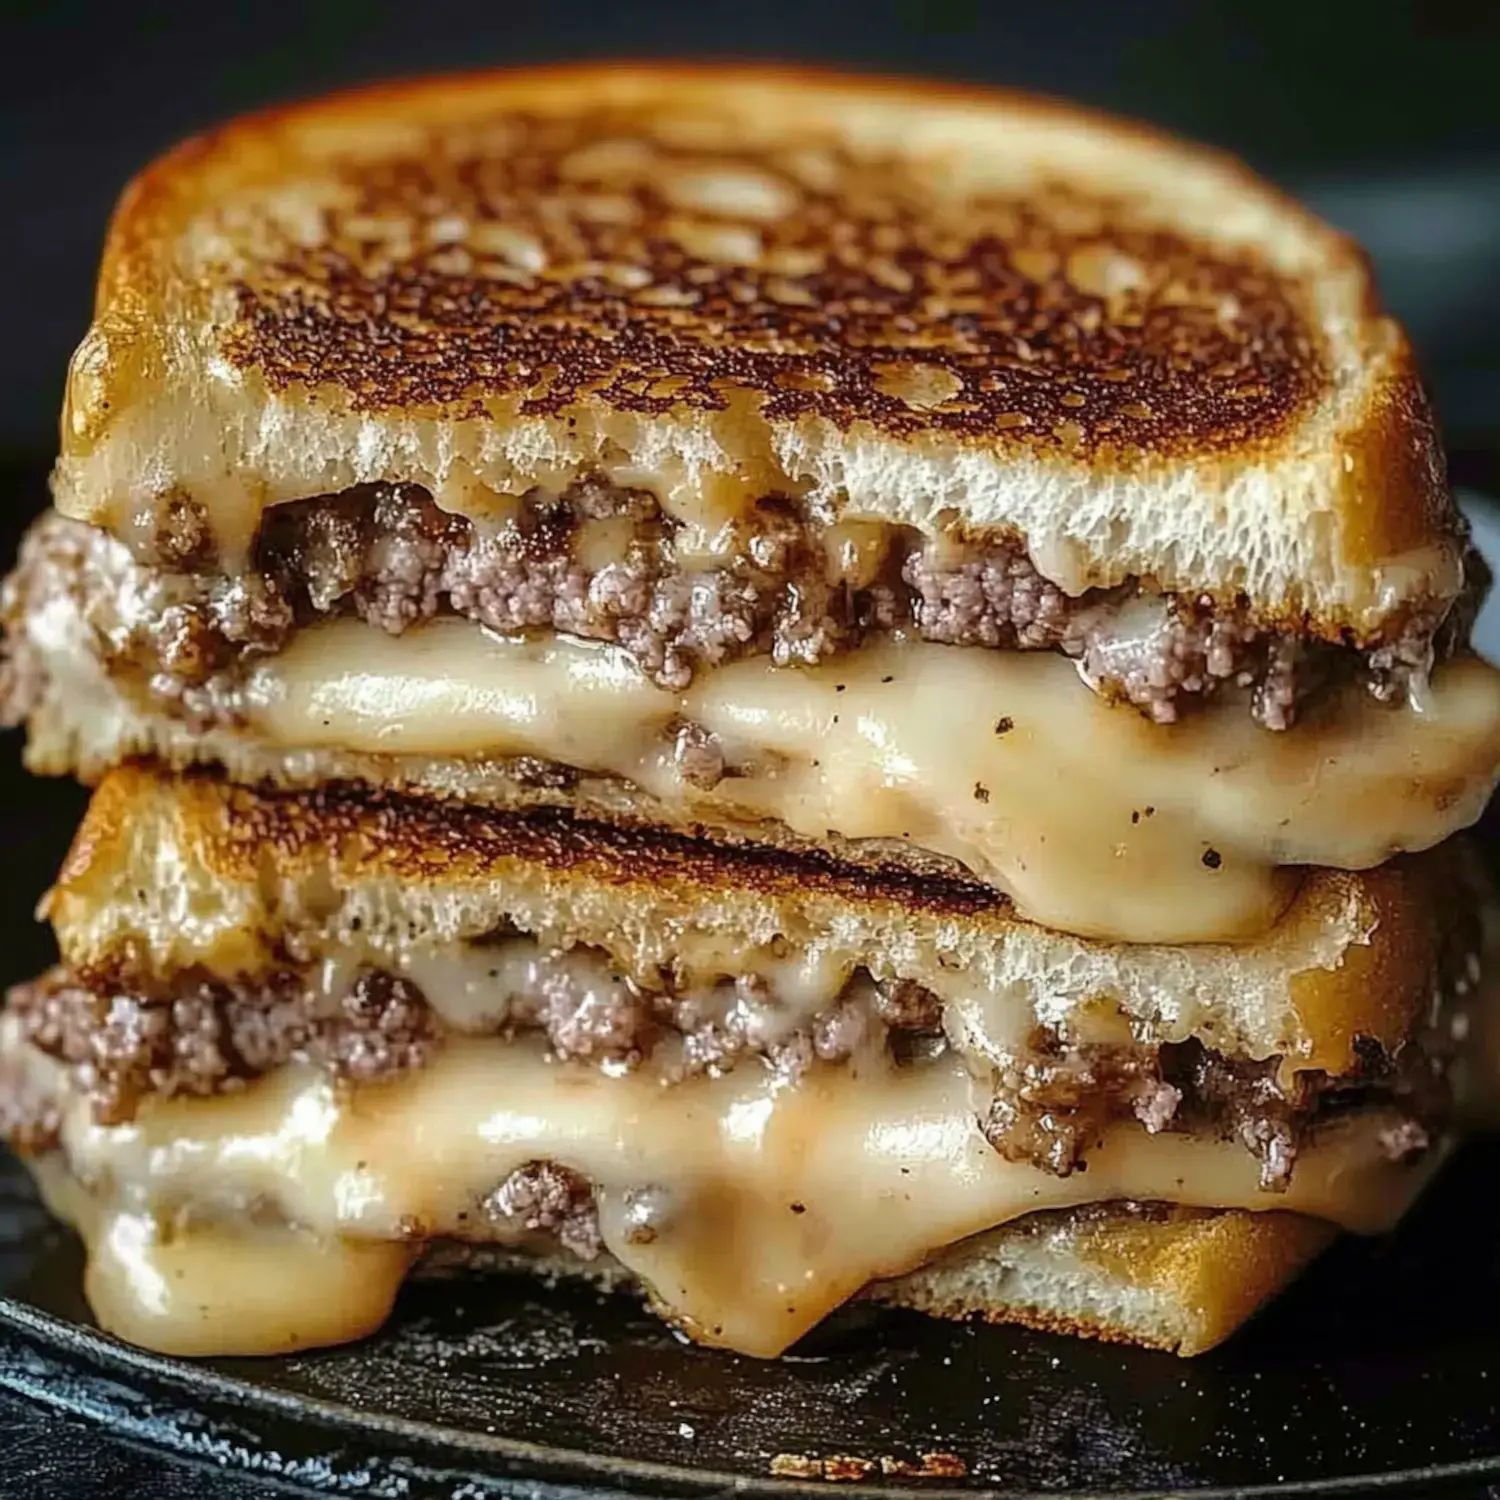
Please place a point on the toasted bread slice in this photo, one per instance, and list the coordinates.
(1176, 1279)
(902, 302)
(172, 874)
(1180, 1279)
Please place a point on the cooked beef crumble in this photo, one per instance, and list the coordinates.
(550, 1199)
(604, 563)
(545, 1198)
(30, 1120)
(1050, 1105)
(211, 1037)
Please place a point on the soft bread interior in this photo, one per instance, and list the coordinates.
(173, 873)
(1309, 480)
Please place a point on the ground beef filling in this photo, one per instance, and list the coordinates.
(1047, 1107)
(605, 563)
(1050, 1104)
(543, 1197)
(212, 1037)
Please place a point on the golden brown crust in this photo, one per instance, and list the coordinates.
(1357, 955)
(1191, 1276)
(791, 276)
(1398, 478)
(1068, 320)
(418, 839)
(852, 337)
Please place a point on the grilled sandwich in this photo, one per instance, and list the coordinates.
(350, 1024)
(771, 686)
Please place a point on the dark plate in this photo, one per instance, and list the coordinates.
(1380, 1368)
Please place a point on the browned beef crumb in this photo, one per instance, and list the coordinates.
(603, 1017)
(1051, 1104)
(543, 1197)
(30, 1121)
(906, 1004)
(212, 1036)
(1247, 1102)
(995, 599)
(602, 562)
(840, 1032)
(182, 535)
(699, 756)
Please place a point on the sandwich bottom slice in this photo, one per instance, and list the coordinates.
(1154, 1274)
(1158, 1275)
(302, 1043)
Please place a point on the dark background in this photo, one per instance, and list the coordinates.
(1386, 115)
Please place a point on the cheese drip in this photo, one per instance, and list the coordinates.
(776, 1203)
(1094, 820)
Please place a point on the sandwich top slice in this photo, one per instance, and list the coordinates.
(342, 1027)
(892, 304)
(803, 458)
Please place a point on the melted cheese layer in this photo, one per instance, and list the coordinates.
(777, 1203)
(1094, 820)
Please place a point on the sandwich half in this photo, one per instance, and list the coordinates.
(299, 1038)
(786, 457)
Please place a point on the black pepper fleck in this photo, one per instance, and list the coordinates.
(1212, 858)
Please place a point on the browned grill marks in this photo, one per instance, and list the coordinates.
(549, 260)
(410, 836)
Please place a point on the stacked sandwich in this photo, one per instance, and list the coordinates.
(771, 687)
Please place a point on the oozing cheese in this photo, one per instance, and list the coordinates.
(776, 1203)
(1095, 820)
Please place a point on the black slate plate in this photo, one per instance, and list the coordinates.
(1381, 1369)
